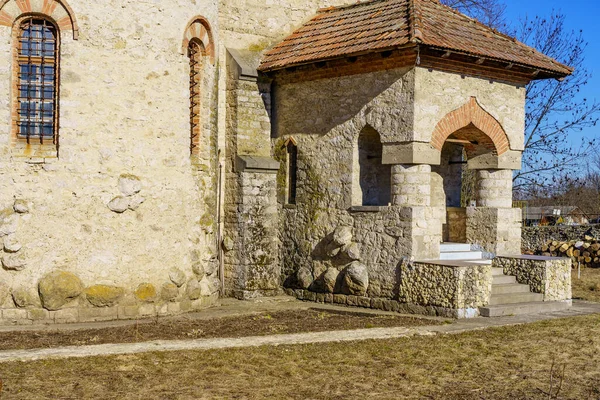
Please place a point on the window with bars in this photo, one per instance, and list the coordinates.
(37, 60)
(292, 164)
(195, 53)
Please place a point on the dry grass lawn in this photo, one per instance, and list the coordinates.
(588, 287)
(183, 327)
(500, 363)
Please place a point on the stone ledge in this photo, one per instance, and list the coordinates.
(381, 304)
(372, 209)
(40, 316)
(256, 164)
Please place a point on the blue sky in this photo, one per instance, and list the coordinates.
(580, 14)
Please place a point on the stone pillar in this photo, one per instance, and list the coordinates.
(493, 188)
(251, 242)
(411, 185)
(493, 223)
(411, 191)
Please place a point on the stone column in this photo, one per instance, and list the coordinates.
(493, 188)
(493, 223)
(252, 253)
(411, 191)
(411, 185)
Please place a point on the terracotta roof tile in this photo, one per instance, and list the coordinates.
(386, 24)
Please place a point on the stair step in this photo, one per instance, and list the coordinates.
(480, 262)
(497, 271)
(447, 247)
(506, 288)
(502, 279)
(512, 298)
(461, 255)
(523, 308)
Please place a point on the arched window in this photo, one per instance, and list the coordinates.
(195, 53)
(372, 179)
(292, 164)
(37, 61)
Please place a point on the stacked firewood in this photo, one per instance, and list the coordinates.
(584, 252)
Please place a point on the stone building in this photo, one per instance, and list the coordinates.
(154, 156)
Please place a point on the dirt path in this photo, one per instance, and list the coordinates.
(579, 308)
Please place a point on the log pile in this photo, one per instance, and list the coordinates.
(586, 251)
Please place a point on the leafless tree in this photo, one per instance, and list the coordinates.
(489, 12)
(555, 111)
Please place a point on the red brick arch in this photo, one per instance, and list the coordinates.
(470, 114)
(58, 10)
(199, 29)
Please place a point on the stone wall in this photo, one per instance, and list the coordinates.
(434, 99)
(547, 275)
(534, 237)
(462, 288)
(124, 204)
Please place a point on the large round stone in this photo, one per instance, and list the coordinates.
(177, 277)
(193, 289)
(329, 279)
(58, 288)
(206, 287)
(129, 184)
(198, 269)
(169, 291)
(356, 279)
(145, 292)
(304, 277)
(4, 292)
(342, 235)
(25, 298)
(104, 295)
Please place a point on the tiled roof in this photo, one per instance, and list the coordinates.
(387, 24)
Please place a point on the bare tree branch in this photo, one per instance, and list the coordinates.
(555, 112)
(489, 12)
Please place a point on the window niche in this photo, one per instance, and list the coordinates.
(36, 82)
(371, 178)
(196, 54)
(292, 170)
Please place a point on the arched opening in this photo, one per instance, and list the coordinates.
(453, 182)
(372, 179)
(468, 138)
(36, 83)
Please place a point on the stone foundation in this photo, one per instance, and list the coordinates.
(41, 316)
(451, 285)
(376, 303)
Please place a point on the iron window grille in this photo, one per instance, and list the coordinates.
(195, 53)
(37, 81)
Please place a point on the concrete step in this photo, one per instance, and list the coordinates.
(448, 247)
(523, 308)
(502, 279)
(480, 262)
(497, 271)
(506, 288)
(512, 298)
(461, 255)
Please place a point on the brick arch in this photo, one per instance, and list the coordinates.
(199, 29)
(470, 114)
(57, 10)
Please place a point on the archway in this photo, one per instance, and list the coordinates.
(468, 139)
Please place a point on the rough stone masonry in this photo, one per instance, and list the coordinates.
(165, 166)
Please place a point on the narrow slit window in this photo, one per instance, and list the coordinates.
(195, 53)
(37, 60)
(292, 151)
